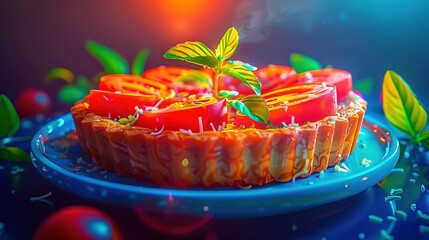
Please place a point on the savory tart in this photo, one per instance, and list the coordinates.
(237, 126)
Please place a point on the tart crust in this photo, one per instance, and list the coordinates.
(231, 157)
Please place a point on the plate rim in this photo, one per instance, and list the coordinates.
(209, 193)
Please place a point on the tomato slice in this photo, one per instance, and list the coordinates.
(169, 76)
(126, 83)
(341, 79)
(299, 104)
(114, 104)
(197, 115)
(269, 77)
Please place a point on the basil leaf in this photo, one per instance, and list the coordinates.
(302, 63)
(242, 74)
(401, 106)
(228, 93)
(249, 66)
(198, 77)
(140, 62)
(112, 61)
(9, 119)
(59, 73)
(228, 44)
(193, 52)
(14, 154)
(253, 106)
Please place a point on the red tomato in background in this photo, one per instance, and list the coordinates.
(298, 103)
(77, 222)
(33, 101)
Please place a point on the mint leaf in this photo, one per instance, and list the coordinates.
(253, 106)
(193, 52)
(112, 61)
(9, 119)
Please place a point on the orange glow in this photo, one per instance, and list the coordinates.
(181, 7)
(168, 22)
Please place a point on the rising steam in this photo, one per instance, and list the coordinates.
(254, 16)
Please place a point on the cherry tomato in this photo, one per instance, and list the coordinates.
(169, 76)
(269, 77)
(169, 223)
(209, 112)
(77, 222)
(341, 79)
(33, 101)
(299, 104)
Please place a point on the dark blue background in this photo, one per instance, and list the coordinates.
(365, 37)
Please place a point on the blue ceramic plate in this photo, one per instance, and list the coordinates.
(58, 156)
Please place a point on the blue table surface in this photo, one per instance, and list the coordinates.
(348, 218)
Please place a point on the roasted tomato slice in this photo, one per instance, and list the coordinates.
(299, 104)
(126, 83)
(114, 104)
(203, 114)
(341, 79)
(269, 77)
(170, 75)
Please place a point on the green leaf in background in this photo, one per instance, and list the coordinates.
(228, 44)
(423, 136)
(70, 94)
(197, 76)
(59, 73)
(14, 154)
(302, 63)
(83, 82)
(112, 61)
(424, 139)
(193, 52)
(253, 106)
(400, 105)
(140, 62)
(242, 74)
(364, 85)
(228, 93)
(425, 143)
(9, 119)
